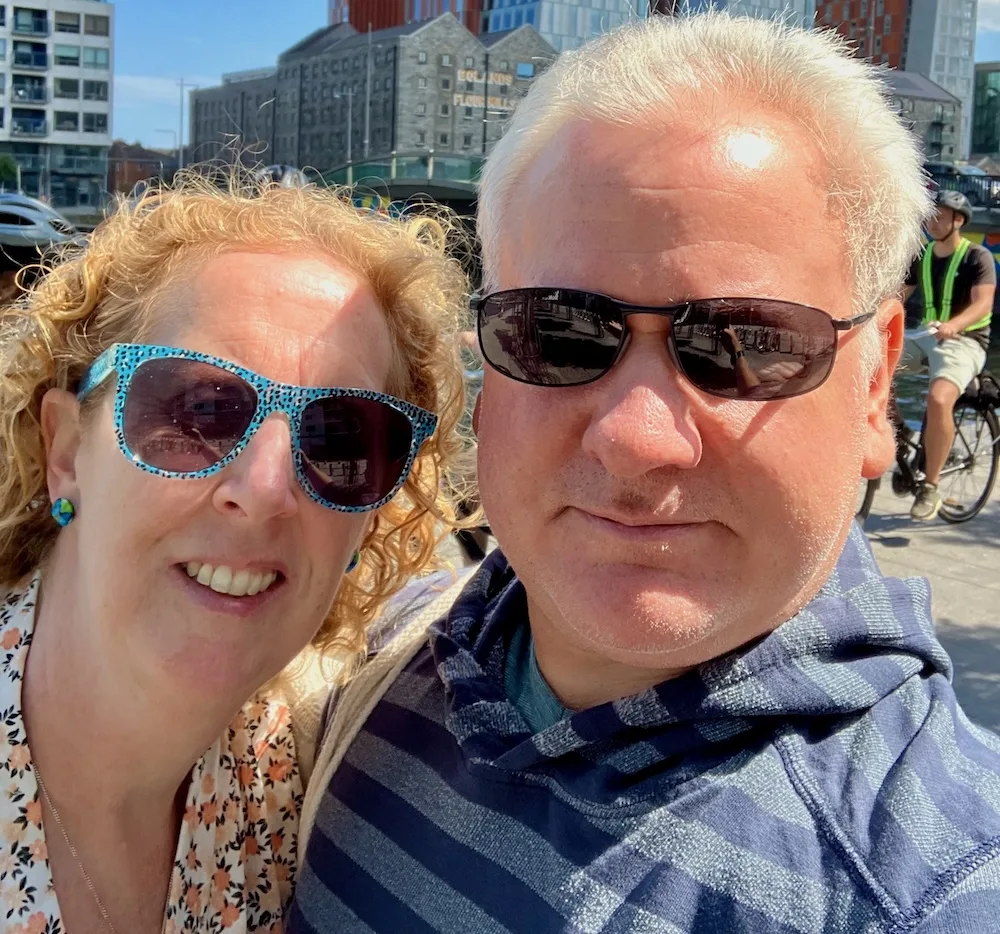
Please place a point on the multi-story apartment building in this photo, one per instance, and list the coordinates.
(431, 85)
(564, 24)
(941, 45)
(934, 38)
(876, 28)
(56, 61)
(384, 14)
(794, 12)
(234, 121)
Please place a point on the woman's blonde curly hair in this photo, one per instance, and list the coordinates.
(105, 291)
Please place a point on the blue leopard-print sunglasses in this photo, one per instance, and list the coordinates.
(185, 415)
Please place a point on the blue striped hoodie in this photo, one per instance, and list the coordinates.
(822, 780)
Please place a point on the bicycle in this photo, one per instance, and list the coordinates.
(970, 471)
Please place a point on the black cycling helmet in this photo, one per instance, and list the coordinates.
(955, 200)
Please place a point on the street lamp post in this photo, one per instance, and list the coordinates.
(180, 135)
(349, 94)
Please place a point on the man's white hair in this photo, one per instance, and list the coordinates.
(659, 69)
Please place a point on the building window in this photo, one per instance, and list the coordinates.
(421, 108)
(468, 111)
(96, 58)
(421, 58)
(67, 122)
(469, 61)
(467, 140)
(387, 84)
(421, 82)
(444, 110)
(3, 49)
(67, 22)
(67, 55)
(95, 123)
(469, 86)
(66, 87)
(446, 84)
(525, 70)
(95, 25)
(3, 15)
(443, 139)
(503, 90)
(421, 138)
(888, 24)
(445, 60)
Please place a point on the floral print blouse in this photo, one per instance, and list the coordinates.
(236, 858)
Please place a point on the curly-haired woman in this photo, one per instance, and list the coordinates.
(225, 424)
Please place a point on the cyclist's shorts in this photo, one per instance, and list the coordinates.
(959, 360)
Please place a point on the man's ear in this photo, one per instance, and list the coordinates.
(881, 435)
(61, 436)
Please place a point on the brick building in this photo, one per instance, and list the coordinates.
(384, 14)
(433, 85)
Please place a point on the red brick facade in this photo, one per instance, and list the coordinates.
(876, 28)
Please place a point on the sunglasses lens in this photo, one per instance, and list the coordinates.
(184, 416)
(752, 349)
(550, 337)
(354, 451)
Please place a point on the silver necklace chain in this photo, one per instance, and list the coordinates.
(74, 854)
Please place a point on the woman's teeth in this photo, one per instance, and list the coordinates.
(222, 579)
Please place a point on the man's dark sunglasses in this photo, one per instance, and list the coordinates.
(734, 348)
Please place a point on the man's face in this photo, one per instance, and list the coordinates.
(650, 523)
(941, 223)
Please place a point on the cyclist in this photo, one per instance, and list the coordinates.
(957, 279)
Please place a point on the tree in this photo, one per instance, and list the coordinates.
(8, 169)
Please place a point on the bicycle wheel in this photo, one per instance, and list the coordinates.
(971, 469)
(866, 496)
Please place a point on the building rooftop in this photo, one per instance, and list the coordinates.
(910, 84)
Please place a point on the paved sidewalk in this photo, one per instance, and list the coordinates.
(962, 563)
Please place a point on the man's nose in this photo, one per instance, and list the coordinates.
(261, 483)
(642, 417)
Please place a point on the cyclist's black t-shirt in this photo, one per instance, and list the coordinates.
(977, 268)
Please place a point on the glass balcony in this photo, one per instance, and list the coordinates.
(33, 61)
(30, 163)
(81, 165)
(20, 126)
(29, 94)
(23, 26)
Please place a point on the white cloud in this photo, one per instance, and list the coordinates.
(989, 16)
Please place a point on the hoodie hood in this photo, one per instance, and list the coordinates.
(857, 641)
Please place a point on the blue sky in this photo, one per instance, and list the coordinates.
(157, 42)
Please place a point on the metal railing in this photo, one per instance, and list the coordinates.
(36, 61)
(33, 95)
(416, 165)
(983, 191)
(86, 165)
(22, 127)
(34, 28)
(30, 163)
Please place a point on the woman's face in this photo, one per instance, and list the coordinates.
(294, 319)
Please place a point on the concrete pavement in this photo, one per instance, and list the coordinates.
(962, 563)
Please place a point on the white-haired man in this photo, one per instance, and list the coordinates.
(680, 696)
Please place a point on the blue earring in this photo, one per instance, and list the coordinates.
(63, 511)
(355, 559)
